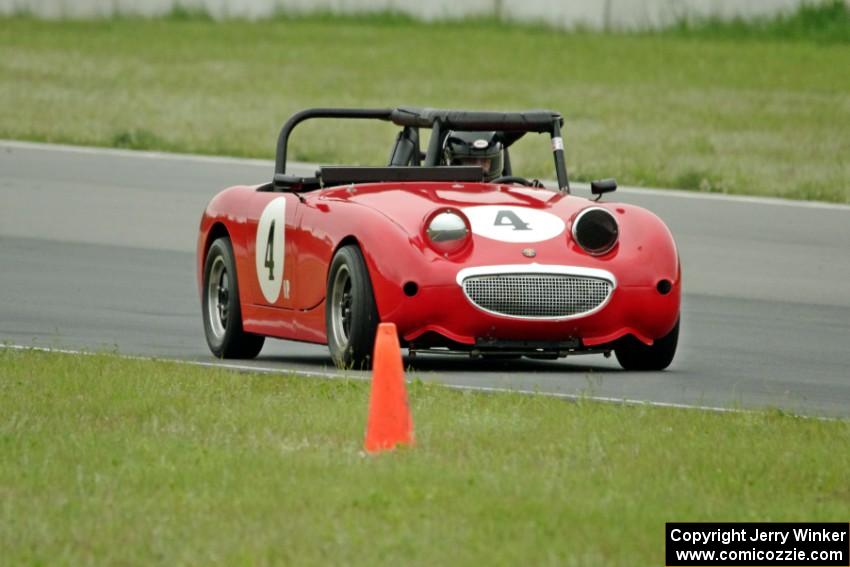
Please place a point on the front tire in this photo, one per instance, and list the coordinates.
(351, 317)
(634, 355)
(221, 308)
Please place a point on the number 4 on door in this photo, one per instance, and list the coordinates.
(270, 252)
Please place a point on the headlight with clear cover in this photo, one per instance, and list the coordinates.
(447, 231)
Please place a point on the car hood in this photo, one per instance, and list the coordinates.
(513, 225)
(513, 212)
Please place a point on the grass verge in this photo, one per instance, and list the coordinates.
(701, 109)
(826, 21)
(109, 460)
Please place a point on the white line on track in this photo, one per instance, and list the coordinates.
(205, 364)
(330, 375)
(676, 193)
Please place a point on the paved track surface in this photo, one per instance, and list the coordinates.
(97, 252)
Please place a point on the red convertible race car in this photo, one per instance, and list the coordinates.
(448, 244)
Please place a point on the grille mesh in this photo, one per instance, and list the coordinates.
(537, 295)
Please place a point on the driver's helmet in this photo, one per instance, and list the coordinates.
(474, 148)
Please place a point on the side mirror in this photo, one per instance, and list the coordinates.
(602, 186)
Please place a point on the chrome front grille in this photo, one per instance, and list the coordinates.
(537, 295)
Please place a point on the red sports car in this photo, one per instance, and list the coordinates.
(461, 254)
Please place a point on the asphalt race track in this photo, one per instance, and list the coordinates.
(97, 253)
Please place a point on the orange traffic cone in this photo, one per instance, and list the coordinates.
(390, 423)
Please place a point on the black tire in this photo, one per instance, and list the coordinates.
(351, 317)
(222, 312)
(634, 355)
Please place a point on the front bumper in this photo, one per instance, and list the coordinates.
(447, 311)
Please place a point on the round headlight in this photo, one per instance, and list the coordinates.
(595, 230)
(447, 231)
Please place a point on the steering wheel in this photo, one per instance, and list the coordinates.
(518, 180)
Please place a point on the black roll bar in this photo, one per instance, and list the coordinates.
(528, 121)
(298, 117)
(440, 122)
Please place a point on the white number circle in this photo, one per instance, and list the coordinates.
(269, 248)
(514, 224)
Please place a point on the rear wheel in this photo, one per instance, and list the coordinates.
(351, 317)
(221, 308)
(634, 355)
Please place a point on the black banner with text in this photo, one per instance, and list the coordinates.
(763, 544)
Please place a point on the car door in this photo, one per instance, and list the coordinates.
(312, 249)
(270, 255)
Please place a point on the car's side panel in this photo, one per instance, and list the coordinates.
(325, 225)
(314, 241)
(238, 211)
(260, 284)
(308, 325)
(314, 231)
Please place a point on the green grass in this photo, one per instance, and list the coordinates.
(711, 109)
(108, 460)
(826, 21)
